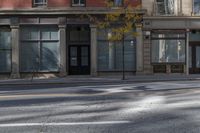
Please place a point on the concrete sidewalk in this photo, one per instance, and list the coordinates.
(100, 79)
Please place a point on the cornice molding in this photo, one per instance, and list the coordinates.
(62, 11)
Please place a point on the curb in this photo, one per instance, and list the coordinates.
(95, 82)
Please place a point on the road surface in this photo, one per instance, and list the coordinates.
(157, 107)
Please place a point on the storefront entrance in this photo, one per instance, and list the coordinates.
(194, 57)
(79, 60)
(78, 49)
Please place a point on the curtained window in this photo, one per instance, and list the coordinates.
(196, 7)
(168, 48)
(165, 7)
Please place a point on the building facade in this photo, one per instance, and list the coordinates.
(49, 37)
(171, 36)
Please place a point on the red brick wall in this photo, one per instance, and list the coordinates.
(136, 2)
(67, 3)
(15, 3)
(95, 3)
(101, 3)
(59, 3)
(54, 3)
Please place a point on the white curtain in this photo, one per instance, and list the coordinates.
(169, 6)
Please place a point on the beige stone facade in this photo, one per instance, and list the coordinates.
(183, 19)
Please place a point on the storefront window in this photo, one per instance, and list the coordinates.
(5, 50)
(168, 48)
(39, 49)
(110, 53)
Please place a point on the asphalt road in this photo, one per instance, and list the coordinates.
(158, 107)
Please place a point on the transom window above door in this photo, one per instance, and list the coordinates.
(78, 2)
(165, 7)
(196, 7)
(38, 3)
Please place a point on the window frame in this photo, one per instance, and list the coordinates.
(121, 5)
(43, 4)
(78, 5)
(6, 28)
(193, 9)
(176, 5)
(168, 38)
(115, 45)
(39, 42)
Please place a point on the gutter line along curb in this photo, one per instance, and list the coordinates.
(95, 82)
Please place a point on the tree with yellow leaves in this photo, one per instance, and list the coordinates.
(121, 20)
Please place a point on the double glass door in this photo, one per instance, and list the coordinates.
(79, 60)
(194, 58)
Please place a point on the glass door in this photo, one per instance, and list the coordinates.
(194, 58)
(79, 60)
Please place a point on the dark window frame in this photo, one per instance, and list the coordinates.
(193, 9)
(39, 42)
(7, 28)
(79, 4)
(44, 3)
(168, 38)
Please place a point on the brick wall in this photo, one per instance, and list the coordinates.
(95, 3)
(59, 3)
(55, 3)
(15, 3)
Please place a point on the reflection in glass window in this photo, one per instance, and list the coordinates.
(40, 2)
(39, 49)
(168, 50)
(5, 50)
(165, 7)
(198, 57)
(196, 7)
(78, 2)
(110, 53)
(118, 2)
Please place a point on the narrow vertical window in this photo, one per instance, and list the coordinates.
(196, 7)
(5, 50)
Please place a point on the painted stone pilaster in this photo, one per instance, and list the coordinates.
(93, 30)
(148, 69)
(63, 50)
(186, 68)
(15, 48)
(139, 50)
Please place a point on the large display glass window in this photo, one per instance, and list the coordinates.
(110, 53)
(168, 47)
(39, 49)
(5, 49)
